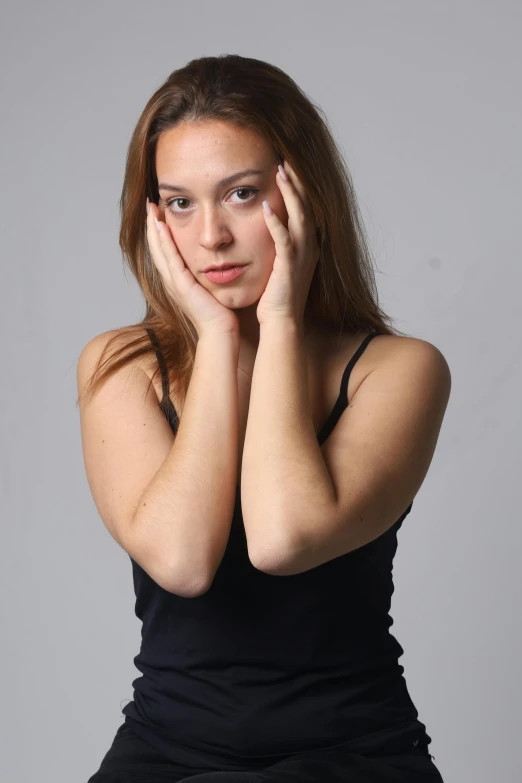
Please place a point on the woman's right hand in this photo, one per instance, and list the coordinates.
(201, 307)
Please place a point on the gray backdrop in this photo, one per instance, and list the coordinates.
(424, 98)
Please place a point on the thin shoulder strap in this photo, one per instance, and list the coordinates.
(343, 394)
(166, 404)
(342, 401)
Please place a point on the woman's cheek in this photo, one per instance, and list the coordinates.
(282, 214)
(181, 245)
(265, 243)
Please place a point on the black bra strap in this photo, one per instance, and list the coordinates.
(346, 375)
(166, 404)
(161, 362)
(342, 401)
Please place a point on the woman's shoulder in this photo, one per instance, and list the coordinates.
(331, 351)
(329, 344)
(106, 345)
(380, 347)
(113, 341)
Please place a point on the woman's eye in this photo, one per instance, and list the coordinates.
(179, 199)
(245, 190)
(175, 201)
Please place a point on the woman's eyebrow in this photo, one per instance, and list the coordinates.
(221, 183)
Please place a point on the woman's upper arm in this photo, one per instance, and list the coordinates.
(125, 439)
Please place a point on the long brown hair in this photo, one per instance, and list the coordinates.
(257, 95)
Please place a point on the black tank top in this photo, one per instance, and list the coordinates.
(260, 666)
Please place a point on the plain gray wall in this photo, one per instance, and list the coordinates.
(424, 99)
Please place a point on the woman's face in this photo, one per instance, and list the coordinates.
(214, 223)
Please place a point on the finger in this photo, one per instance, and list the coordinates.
(298, 214)
(167, 258)
(307, 204)
(297, 185)
(153, 239)
(280, 235)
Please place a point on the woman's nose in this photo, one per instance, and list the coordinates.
(214, 229)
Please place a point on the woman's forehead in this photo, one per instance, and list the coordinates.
(215, 148)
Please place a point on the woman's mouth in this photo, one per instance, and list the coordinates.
(225, 274)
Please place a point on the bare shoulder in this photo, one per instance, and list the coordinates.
(417, 362)
(396, 354)
(106, 344)
(389, 347)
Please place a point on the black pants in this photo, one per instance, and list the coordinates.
(131, 760)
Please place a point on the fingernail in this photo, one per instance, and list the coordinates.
(148, 205)
(157, 222)
(283, 173)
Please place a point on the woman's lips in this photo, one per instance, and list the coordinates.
(224, 275)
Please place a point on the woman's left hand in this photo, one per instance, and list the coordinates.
(297, 254)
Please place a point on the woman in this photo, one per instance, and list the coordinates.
(254, 444)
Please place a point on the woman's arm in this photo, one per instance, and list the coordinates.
(166, 499)
(303, 504)
(187, 508)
